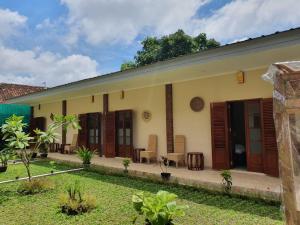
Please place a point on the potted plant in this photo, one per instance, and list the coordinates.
(164, 165)
(4, 156)
(160, 209)
(44, 148)
(85, 154)
(126, 163)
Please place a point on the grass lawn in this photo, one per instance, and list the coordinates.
(114, 206)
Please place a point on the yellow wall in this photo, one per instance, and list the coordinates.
(152, 99)
(196, 125)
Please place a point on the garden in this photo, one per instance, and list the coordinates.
(54, 194)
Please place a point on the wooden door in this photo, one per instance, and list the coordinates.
(270, 150)
(83, 132)
(109, 140)
(219, 133)
(124, 133)
(94, 131)
(253, 128)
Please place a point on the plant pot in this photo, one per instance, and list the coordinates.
(165, 176)
(44, 155)
(86, 165)
(3, 169)
(33, 155)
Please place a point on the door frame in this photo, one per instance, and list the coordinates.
(130, 154)
(250, 167)
(228, 127)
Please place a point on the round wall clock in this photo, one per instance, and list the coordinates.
(197, 104)
(146, 115)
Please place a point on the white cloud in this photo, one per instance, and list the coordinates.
(36, 66)
(10, 23)
(250, 18)
(33, 67)
(102, 21)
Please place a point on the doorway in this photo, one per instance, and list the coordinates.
(237, 135)
(243, 136)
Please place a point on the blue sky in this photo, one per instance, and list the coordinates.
(60, 41)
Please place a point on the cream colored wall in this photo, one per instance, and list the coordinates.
(196, 125)
(152, 99)
(80, 106)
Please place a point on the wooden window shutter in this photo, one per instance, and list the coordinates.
(270, 153)
(219, 133)
(82, 133)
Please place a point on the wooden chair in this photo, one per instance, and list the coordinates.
(179, 150)
(151, 151)
(70, 148)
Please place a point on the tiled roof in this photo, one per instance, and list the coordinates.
(8, 91)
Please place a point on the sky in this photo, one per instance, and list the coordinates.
(53, 42)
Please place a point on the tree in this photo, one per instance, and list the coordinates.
(169, 46)
(128, 65)
(16, 138)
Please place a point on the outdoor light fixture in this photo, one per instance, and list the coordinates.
(240, 77)
(122, 95)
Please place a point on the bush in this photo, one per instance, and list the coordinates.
(226, 180)
(126, 163)
(35, 186)
(85, 154)
(74, 202)
(159, 209)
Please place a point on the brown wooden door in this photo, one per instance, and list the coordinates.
(253, 129)
(109, 140)
(83, 132)
(270, 150)
(219, 131)
(94, 131)
(124, 133)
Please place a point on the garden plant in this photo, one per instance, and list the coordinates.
(85, 154)
(74, 202)
(226, 181)
(18, 140)
(160, 209)
(126, 163)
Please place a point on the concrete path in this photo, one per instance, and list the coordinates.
(244, 183)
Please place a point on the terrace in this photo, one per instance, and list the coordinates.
(244, 183)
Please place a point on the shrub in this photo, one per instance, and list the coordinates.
(74, 202)
(226, 180)
(126, 163)
(159, 209)
(35, 186)
(85, 154)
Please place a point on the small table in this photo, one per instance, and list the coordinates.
(136, 154)
(195, 160)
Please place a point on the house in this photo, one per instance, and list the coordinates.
(216, 98)
(8, 91)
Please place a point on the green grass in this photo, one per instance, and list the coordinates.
(113, 195)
